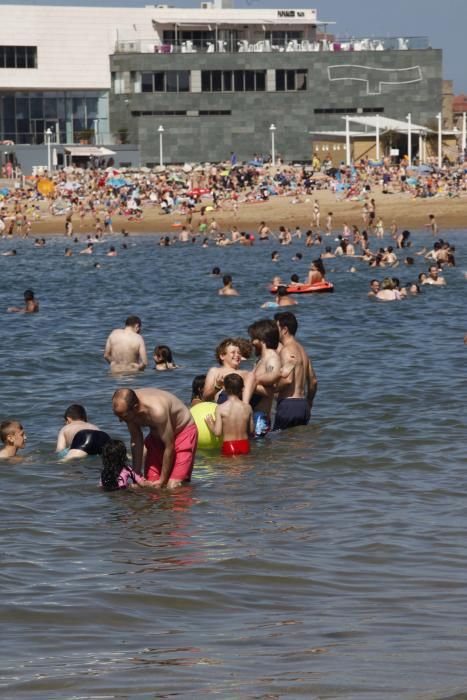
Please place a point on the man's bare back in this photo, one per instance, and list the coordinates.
(157, 407)
(300, 380)
(125, 350)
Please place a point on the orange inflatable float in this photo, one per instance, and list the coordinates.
(316, 288)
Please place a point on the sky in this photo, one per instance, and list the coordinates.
(443, 23)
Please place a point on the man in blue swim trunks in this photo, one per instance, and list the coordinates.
(79, 438)
(298, 384)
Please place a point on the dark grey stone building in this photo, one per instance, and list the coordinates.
(211, 104)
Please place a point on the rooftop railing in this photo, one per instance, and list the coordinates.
(267, 46)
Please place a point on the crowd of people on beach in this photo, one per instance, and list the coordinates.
(94, 197)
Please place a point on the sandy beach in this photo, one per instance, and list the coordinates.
(408, 213)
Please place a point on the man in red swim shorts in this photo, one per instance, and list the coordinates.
(168, 452)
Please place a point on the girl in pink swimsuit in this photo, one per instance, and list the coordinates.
(117, 473)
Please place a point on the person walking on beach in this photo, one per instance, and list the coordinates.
(168, 451)
(125, 349)
(297, 389)
(432, 224)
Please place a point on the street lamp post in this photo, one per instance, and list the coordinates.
(272, 129)
(161, 153)
(48, 136)
(378, 148)
(409, 138)
(440, 140)
(348, 156)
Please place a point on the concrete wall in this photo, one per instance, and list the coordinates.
(360, 81)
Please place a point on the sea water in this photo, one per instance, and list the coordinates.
(329, 563)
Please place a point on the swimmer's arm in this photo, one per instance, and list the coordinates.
(167, 436)
(215, 424)
(271, 374)
(249, 385)
(210, 384)
(251, 423)
(312, 383)
(16, 310)
(61, 440)
(137, 446)
(143, 358)
(108, 351)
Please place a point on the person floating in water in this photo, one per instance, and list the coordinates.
(31, 305)
(233, 419)
(13, 437)
(79, 438)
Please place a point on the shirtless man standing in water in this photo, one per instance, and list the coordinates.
(125, 350)
(297, 387)
(168, 452)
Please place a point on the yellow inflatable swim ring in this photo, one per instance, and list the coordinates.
(206, 440)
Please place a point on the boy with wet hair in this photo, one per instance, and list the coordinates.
(233, 419)
(13, 437)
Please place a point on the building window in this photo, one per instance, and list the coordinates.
(180, 113)
(291, 80)
(348, 110)
(233, 81)
(18, 56)
(166, 81)
(198, 39)
(283, 38)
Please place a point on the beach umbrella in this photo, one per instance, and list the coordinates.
(45, 186)
(116, 182)
(187, 168)
(421, 168)
(160, 169)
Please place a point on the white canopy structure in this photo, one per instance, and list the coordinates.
(374, 125)
(386, 124)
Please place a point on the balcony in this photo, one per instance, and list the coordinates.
(266, 46)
